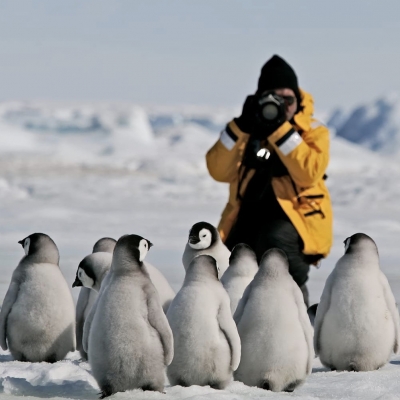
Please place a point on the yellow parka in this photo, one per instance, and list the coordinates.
(303, 148)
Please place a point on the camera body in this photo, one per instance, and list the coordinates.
(271, 109)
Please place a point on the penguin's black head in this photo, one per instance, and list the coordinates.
(241, 250)
(85, 275)
(41, 247)
(274, 260)
(203, 265)
(133, 246)
(105, 245)
(359, 242)
(202, 236)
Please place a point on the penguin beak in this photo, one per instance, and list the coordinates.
(77, 282)
(193, 239)
(21, 242)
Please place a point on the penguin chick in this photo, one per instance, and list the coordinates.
(356, 326)
(274, 328)
(204, 239)
(207, 344)
(93, 269)
(37, 319)
(129, 307)
(242, 268)
(95, 263)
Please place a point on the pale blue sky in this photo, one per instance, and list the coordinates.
(199, 52)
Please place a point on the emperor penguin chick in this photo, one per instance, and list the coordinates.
(204, 239)
(242, 268)
(91, 272)
(356, 326)
(130, 341)
(94, 268)
(37, 320)
(207, 344)
(274, 328)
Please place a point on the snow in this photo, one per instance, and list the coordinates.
(72, 379)
(79, 172)
(375, 125)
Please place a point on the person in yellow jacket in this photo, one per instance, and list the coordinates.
(274, 156)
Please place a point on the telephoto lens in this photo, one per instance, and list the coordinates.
(271, 108)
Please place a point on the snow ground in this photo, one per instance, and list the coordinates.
(72, 379)
(81, 172)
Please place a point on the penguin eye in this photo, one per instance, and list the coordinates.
(80, 274)
(204, 235)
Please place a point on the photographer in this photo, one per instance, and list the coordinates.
(274, 157)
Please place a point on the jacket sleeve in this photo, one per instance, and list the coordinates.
(306, 157)
(224, 158)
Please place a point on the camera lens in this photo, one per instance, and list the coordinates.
(270, 111)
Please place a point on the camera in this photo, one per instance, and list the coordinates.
(271, 108)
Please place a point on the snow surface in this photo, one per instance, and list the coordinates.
(79, 172)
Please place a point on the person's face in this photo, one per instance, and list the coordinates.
(290, 108)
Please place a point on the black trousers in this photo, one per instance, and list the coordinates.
(279, 233)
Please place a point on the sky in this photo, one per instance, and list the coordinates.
(201, 52)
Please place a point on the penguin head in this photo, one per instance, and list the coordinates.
(274, 261)
(359, 242)
(105, 245)
(203, 266)
(85, 275)
(243, 260)
(41, 248)
(92, 269)
(202, 236)
(241, 250)
(132, 247)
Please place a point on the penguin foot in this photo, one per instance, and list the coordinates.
(51, 359)
(106, 391)
(182, 383)
(218, 385)
(290, 388)
(353, 367)
(265, 385)
(152, 388)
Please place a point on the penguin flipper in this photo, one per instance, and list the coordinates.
(159, 322)
(81, 306)
(305, 324)
(322, 309)
(87, 325)
(89, 318)
(242, 304)
(391, 305)
(228, 327)
(9, 300)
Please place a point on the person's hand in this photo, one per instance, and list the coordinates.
(246, 121)
(252, 122)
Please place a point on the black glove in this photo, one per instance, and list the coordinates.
(246, 121)
(251, 121)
